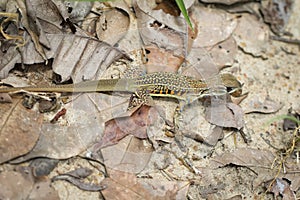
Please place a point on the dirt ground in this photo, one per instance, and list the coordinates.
(240, 164)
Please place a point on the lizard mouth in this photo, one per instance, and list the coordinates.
(235, 92)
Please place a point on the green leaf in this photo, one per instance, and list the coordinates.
(280, 117)
(184, 12)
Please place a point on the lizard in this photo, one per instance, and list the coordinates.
(161, 84)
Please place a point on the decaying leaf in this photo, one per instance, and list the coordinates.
(42, 166)
(214, 26)
(80, 127)
(118, 182)
(76, 177)
(19, 130)
(277, 13)
(20, 184)
(112, 26)
(282, 187)
(252, 35)
(118, 128)
(225, 115)
(163, 32)
(83, 55)
(257, 104)
(244, 157)
(129, 155)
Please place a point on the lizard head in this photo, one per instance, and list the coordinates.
(233, 86)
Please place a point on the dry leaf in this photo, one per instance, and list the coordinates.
(282, 187)
(118, 128)
(20, 184)
(258, 104)
(162, 31)
(224, 53)
(121, 185)
(19, 130)
(80, 128)
(5, 98)
(214, 26)
(86, 57)
(225, 114)
(252, 35)
(160, 60)
(244, 157)
(112, 25)
(277, 13)
(129, 155)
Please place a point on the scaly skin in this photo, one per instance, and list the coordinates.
(162, 84)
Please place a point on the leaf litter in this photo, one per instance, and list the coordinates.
(128, 146)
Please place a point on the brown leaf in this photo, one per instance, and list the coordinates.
(214, 26)
(225, 114)
(160, 60)
(257, 104)
(112, 26)
(252, 35)
(162, 31)
(282, 187)
(5, 98)
(244, 157)
(130, 154)
(19, 130)
(224, 53)
(277, 14)
(20, 184)
(79, 129)
(118, 128)
(121, 185)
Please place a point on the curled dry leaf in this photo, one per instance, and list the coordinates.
(118, 128)
(19, 130)
(75, 177)
(257, 104)
(244, 157)
(135, 188)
